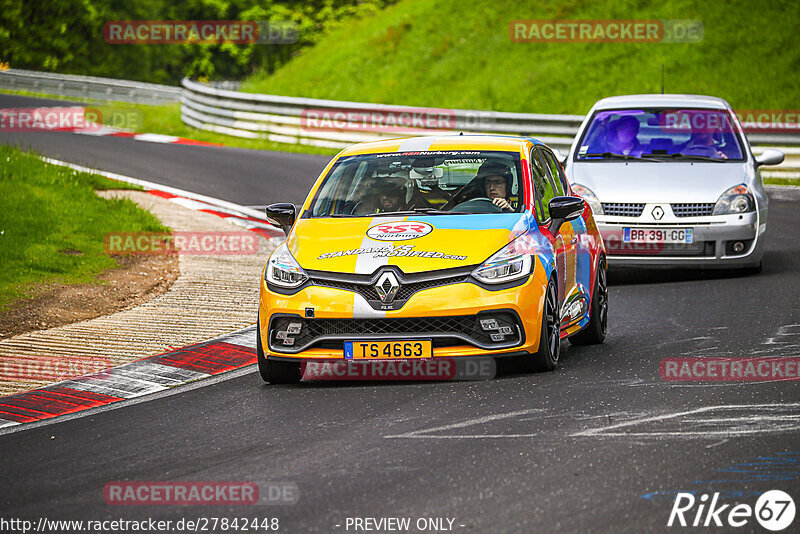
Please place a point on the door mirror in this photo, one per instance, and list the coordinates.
(283, 215)
(563, 209)
(770, 157)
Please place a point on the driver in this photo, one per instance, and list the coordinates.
(496, 179)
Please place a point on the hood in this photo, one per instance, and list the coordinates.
(414, 244)
(652, 182)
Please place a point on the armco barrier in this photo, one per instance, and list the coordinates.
(88, 87)
(283, 119)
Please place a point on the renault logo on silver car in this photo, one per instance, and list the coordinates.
(387, 287)
(658, 212)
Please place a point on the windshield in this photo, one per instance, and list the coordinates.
(646, 134)
(432, 182)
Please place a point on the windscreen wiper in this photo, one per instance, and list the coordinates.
(612, 155)
(680, 155)
(412, 211)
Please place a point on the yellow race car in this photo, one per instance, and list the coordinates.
(432, 247)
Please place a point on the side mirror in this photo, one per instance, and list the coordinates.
(282, 215)
(563, 209)
(770, 157)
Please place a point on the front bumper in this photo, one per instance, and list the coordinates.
(712, 247)
(449, 315)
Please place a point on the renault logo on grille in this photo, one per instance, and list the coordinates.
(658, 212)
(387, 287)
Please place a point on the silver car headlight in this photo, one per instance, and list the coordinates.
(283, 270)
(588, 195)
(505, 265)
(737, 199)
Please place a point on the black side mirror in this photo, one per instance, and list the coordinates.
(282, 215)
(563, 209)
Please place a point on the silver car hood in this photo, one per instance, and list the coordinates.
(659, 182)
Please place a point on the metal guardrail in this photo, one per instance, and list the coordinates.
(285, 119)
(88, 87)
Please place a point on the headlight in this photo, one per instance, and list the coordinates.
(588, 195)
(283, 270)
(507, 264)
(735, 200)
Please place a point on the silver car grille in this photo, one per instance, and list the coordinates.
(692, 210)
(622, 209)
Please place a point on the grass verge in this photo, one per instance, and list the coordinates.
(52, 224)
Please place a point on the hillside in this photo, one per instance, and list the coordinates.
(458, 54)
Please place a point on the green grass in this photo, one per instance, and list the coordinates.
(166, 119)
(458, 54)
(783, 181)
(52, 224)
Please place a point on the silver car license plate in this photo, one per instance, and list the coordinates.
(657, 235)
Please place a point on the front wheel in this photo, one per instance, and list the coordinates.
(595, 332)
(546, 358)
(273, 371)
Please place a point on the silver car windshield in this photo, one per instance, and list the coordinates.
(431, 182)
(661, 134)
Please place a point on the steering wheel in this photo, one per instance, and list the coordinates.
(492, 208)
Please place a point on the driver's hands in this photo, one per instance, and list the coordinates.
(502, 204)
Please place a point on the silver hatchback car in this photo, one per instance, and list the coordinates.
(672, 181)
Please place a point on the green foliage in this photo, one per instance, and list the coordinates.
(458, 54)
(52, 224)
(66, 36)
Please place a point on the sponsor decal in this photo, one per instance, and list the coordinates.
(391, 252)
(399, 231)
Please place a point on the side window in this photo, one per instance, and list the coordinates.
(556, 173)
(543, 188)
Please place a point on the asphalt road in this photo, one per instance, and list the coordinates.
(600, 445)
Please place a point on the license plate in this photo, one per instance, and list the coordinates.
(387, 350)
(657, 235)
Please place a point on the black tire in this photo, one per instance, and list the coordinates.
(595, 332)
(275, 371)
(546, 358)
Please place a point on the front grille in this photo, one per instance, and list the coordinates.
(622, 209)
(445, 331)
(367, 289)
(698, 249)
(692, 210)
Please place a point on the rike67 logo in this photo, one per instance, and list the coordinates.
(399, 231)
(774, 511)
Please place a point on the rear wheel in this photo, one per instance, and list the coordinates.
(273, 371)
(546, 358)
(595, 332)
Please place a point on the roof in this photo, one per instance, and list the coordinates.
(659, 100)
(441, 142)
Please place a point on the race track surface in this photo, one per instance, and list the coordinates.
(601, 445)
